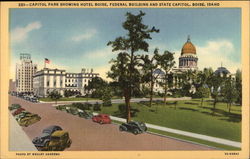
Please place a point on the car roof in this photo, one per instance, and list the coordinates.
(52, 127)
(59, 133)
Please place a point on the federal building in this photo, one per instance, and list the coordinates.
(48, 80)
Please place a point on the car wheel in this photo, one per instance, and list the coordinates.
(120, 128)
(135, 131)
(69, 143)
(46, 146)
(101, 122)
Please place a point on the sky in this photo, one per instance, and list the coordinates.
(77, 38)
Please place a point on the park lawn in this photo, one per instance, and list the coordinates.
(188, 139)
(189, 116)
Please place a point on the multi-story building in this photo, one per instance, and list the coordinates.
(24, 73)
(48, 80)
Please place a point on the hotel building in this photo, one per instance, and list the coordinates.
(24, 72)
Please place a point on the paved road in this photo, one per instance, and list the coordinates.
(87, 135)
(119, 100)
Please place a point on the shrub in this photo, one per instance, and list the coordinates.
(97, 107)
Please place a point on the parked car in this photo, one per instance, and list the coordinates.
(42, 142)
(84, 114)
(134, 127)
(59, 141)
(34, 100)
(29, 119)
(21, 115)
(61, 107)
(18, 111)
(102, 119)
(14, 106)
(71, 110)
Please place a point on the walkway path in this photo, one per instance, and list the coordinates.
(18, 139)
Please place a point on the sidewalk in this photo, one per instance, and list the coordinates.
(18, 140)
(185, 133)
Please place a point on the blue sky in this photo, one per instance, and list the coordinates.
(77, 38)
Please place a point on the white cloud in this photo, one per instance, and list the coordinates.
(217, 52)
(99, 54)
(88, 34)
(21, 33)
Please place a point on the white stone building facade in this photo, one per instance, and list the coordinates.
(48, 80)
(24, 73)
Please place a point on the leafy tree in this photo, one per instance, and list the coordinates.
(203, 92)
(106, 98)
(238, 85)
(150, 75)
(55, 95)
(124, 69)
(96, 87)
(166, 62)
(230, 92)
(216, 83)
(82, 106)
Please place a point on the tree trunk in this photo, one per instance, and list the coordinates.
(230, 107)
(151, 93)
(215, 100)
(201, 102)
(165, 94)
(127, 102)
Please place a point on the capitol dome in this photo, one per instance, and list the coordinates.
(188, 58)
(188, 48)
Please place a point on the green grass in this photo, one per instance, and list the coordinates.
(189, 116)
(186, 138)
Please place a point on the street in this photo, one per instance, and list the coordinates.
(87, 135)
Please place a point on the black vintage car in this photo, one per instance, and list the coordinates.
(42, 142)
(134, 127)
(85, 114)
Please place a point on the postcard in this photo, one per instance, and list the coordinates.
(125, 79)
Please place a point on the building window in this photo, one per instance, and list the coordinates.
(47, 83)
(54, 83)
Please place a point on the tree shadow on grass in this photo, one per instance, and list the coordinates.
(123, 113)
(184, 108)
(231, 117)
(212, 114)
(192, 103)
(152, 110)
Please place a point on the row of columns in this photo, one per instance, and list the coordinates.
(188, 62)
